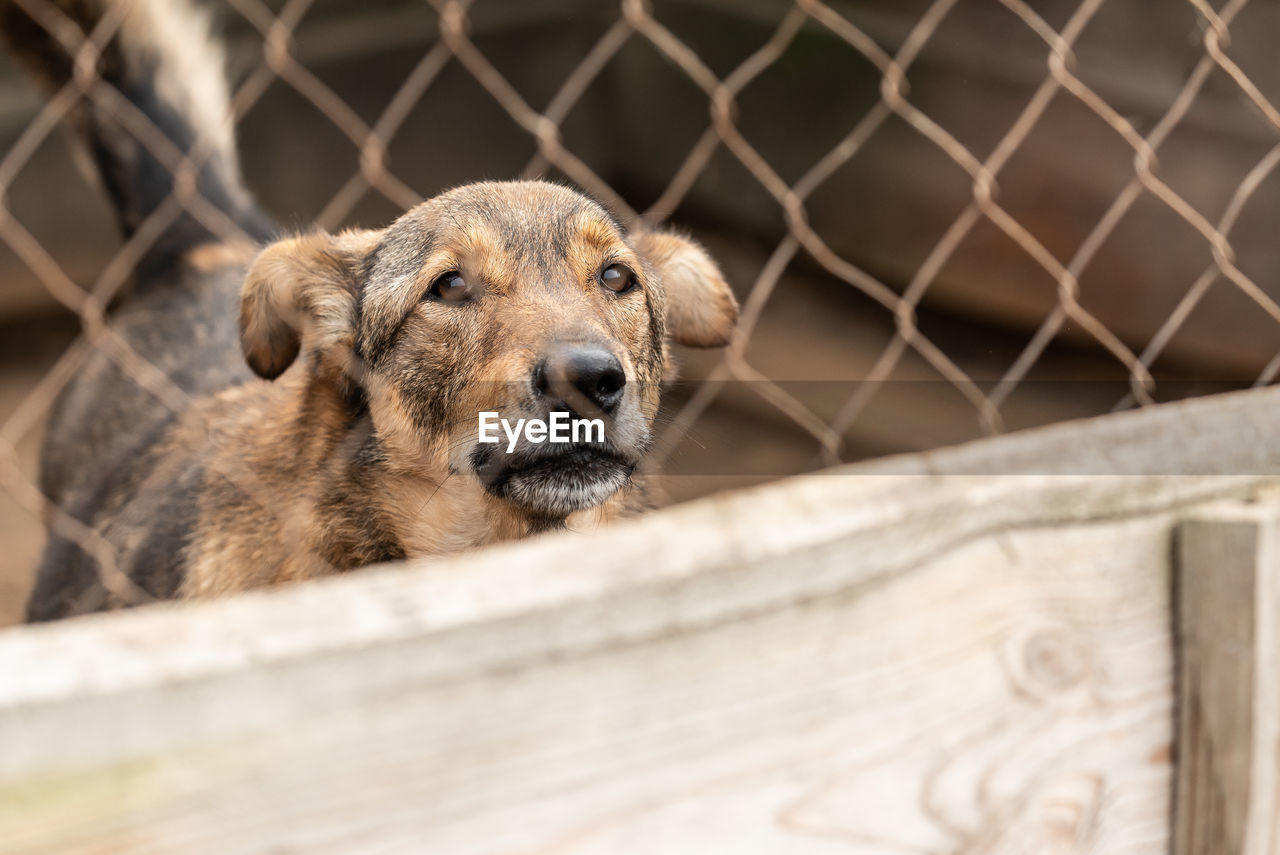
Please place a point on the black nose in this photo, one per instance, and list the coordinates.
(582, 371)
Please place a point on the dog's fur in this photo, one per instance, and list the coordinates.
(357, 440)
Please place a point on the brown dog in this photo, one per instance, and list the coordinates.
(379, 349)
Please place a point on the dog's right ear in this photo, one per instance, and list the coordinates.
(303, 290)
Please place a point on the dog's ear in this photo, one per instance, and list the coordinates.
(300, 288)
(700, 308)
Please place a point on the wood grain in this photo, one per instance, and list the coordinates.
(1012, 696)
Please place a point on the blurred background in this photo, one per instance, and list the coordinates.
(944, 219)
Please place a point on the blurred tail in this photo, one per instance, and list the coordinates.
(166, 98)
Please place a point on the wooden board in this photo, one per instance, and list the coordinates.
(1011, 696)
(1229, 727)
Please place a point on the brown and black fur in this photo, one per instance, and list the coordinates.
(331, 393)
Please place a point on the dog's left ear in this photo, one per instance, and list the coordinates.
(700, 309)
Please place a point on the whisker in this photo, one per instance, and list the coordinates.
(427, 501)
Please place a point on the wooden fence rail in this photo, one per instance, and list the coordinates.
(971, 651)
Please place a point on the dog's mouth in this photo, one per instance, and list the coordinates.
(553, 481)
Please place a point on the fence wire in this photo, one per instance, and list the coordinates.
(636, 20)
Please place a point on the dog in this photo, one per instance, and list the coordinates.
(329, 384)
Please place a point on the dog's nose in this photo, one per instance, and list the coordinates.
(582, 371)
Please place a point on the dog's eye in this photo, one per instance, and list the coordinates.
(449, 288)
(618, 278)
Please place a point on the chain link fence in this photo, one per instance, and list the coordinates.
(799, 242)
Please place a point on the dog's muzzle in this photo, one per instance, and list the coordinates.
(552, 480)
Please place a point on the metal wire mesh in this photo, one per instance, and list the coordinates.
(637, 20)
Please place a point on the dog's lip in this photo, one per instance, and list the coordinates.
(500, 473)
(500, 467)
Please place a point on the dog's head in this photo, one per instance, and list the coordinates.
(520, 299)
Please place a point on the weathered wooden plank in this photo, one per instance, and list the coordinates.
(963, 652)
(1011, 696)
(1228, 795)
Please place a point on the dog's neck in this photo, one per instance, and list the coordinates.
(382, 499)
